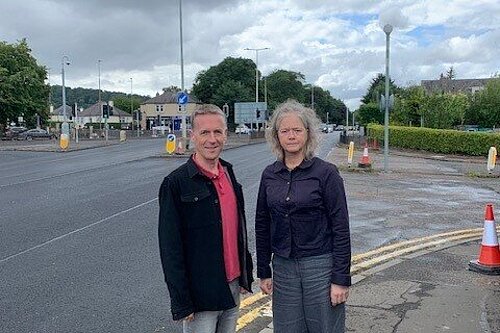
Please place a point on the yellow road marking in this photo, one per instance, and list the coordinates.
(250, 316)
(405, 248)
(377, 260)
(371, 253)
(251, 299)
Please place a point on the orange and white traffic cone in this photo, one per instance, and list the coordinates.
(365, 159)
(180, 148)
(489, 253)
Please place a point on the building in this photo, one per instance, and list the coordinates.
(164, 110)
(57, 115)
(93, 114)
(445, 85)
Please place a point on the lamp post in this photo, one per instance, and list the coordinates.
(64, 61)
(183, 107)
(387, 30)
(100, 104)
(257, 70)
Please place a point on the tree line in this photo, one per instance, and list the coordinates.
(233, 80)
(413, 106)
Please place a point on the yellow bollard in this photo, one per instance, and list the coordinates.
(170, 143)
(492, 158)
(350, 153)
(64, 141)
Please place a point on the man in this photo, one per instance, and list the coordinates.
(202, 232)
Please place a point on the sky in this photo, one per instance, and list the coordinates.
(338, 45)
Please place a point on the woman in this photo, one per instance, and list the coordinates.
(302, 222)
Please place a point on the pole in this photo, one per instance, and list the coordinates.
(183, 107)
(312, 97)
(64, 86)
(327, 117)
(257, 70)
(100, 103)
(75, 122)
(256, 76)
(387, 30)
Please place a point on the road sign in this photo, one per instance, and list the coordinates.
(182, 98)
(170, 144)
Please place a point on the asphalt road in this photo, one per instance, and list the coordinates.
(78, 242)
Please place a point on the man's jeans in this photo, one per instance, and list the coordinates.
(301, 296)
(216, 321)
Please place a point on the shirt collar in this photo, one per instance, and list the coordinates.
(193, 169)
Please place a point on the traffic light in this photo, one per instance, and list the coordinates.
(257, 113)
(105, 111)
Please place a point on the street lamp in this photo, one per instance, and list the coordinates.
(64, 61)
(257, 70)
(183, 107)
(100, 105)
(387, 30)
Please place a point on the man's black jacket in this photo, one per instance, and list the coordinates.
(190, 237)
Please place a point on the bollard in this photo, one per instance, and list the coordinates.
(123, 136)
(492, 158)
(64, 141)
(350, 153)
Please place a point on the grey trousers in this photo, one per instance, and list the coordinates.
(216, 321)
(301, 296)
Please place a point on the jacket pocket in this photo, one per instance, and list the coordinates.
(199, 209)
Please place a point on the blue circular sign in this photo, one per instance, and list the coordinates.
(182, 98)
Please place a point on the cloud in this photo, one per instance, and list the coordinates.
(338, 45)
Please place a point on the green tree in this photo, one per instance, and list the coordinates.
(408, 106)
(324, 103)
(485, 106)
(283, 85)
(23, 91)
(209, 82)
(123, 102)
(377, 88)
(369, 113)
(444, 110)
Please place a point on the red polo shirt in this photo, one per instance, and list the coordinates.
(229, 212)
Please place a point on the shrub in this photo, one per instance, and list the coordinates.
(437, 140)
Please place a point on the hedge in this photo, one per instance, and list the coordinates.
(437, 140)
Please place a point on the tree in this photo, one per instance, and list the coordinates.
(369, 113)
(444, 110)
(450, 73)
(23, 91)
(485, 106)
(377, 88)
(283, 85)
(238, 70)
(408, 106)
(123, 102)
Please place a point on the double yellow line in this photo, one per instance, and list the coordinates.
(364, 261)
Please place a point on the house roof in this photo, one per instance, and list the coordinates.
(452, 85)
(169, 97)
(60, 112)
(95, 111)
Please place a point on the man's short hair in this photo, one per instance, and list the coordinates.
(207, 109)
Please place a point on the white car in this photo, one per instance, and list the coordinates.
(242, 129)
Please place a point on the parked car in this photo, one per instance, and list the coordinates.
(12, 133)
(35, 134)
(327, 129)
(242, 129)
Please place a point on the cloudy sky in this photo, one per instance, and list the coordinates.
(338, 45)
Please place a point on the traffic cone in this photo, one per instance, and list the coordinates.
(365, 159)
(180, 148)
(489, 253)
